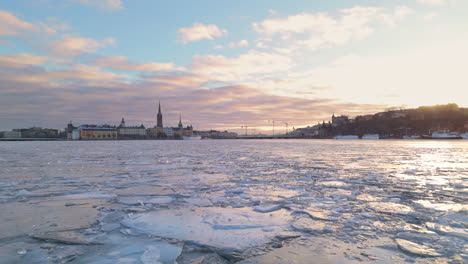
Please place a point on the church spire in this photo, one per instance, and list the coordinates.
(159, 122)
(180, 121)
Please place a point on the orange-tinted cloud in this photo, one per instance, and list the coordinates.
(122, 63)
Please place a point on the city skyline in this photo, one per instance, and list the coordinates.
(226, 65)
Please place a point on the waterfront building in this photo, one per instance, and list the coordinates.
(37, 132)
(87, 132)
(339, 120)
(75, 135)
(305, 132)
(155, 132)
(168, 131)
(216, 134)
(69, 130)
(130, 131)
(180, 131)
(12, 134)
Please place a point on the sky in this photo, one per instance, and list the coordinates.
(226, 64)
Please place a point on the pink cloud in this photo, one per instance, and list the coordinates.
(21, 60)
(73, 46)
(199, 31)
(244, 66)
(10, 25)
(325, 30)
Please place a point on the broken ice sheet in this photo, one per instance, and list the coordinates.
(417, 249)
(225, 228)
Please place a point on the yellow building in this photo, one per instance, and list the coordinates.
(97, 133)
(156, 132)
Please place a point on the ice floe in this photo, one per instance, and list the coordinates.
(225, 228)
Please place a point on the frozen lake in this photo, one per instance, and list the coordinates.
(234, 201)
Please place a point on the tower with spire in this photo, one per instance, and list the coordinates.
(180, 122)
(159, 117)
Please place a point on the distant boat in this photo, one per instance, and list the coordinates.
(443, 134)
(464, 135)
(192, 137)
(346, 137)
(370, 136)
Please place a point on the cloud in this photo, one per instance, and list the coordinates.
(21, 60)
(200, 31)
(430, 16)
(122, 63)
(103, 4)
(438, 2)
(432, 2)
(242, 44)
(10, 25)
(71, 45)
(242, 67)
(272, 12)
(319, 30)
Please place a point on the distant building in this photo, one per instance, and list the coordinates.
(69, 130)
(216, 134)
(325, 130)
(304, 132)
(339, 120)
(94, 132)
(398, 114)
(37, 132)
(12, 134)
(155, 132)
(75, 135)
(168, 131)
(130, 131)
(180, 131)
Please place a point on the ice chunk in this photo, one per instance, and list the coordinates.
(341, 194)
(224, 228)
(390, 208)
(151, 256)
(145, 190)
(317, 214)
(161, 200)
(333, 184)
(65, 237)
(447, 230)
(202, 202)
(24, 193)
(131, 201)
(310, 226)
(417, 249)
(267, 208)
(456, 207)
(89, 195)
